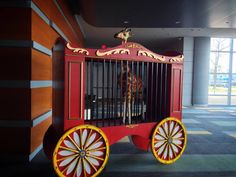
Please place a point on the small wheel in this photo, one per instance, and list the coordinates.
(81, 152)
(169, 140)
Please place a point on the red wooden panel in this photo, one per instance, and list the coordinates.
(176, 91)
(75, 106)
(74, 93)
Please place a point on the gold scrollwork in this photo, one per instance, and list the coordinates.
(114, 51)
(79, 50)
(177, 59)
(150, 54)
(131, 126)
(133, 45)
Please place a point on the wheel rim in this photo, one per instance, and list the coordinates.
(82, 151)
(169, 140)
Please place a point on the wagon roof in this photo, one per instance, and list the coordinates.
(125, 51)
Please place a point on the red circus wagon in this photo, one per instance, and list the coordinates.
(110, 93)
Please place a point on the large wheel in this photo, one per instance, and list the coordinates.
(81, 152)
(169, 140)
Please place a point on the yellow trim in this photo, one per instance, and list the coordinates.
(66, 134)
(153, 142)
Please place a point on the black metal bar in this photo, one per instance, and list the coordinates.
(121, 90)
(116, 93)
(132, 98)
(137, 91)
(147, 88)
(112, 90)
(126, 90)
(151, 93)
(91, 89)
(87, 88)
(160, 91)
(108, 91)
(142, 91)
(97, 84)
(103, 80)
(156, 93)
(165, 92)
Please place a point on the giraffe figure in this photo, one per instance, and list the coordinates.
(130, 84)
(123, 35)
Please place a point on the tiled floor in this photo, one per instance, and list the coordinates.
(210, 151)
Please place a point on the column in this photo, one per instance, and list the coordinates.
(188, 47)
(201, 70)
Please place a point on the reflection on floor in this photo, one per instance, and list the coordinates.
(210, 151)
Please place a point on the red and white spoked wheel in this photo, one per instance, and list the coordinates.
(169, 140)
(82, 151)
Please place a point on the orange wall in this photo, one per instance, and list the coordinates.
(25, 69)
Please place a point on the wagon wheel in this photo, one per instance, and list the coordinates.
(169, 140)
(81, 152)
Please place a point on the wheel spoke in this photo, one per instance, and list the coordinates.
(179, 131)
(170, 152)
(74, 155)
(84, 168)
(84, 137)
(68, 171)
(87, 166)
(69, 149)
(96, 149)
(78, 169)
(175, 125)
(165, 151)
(172, 124)
(164, 130)
(87, 138)
(173, 151)
(74, 142)
(95, 157)
(177, 145)
(155, 141)
(160, 150)
(159, 143)
(88, 148)
(161, 135)
(91, 164)
(90, 140)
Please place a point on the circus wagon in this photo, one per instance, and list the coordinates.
(110, 93)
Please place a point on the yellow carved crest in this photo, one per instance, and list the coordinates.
(177, 59)
(150, 54)
(79, 50)
(114, 51)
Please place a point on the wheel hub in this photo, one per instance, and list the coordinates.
(169, 140)
(82, 153)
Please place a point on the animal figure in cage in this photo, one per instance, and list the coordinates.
(132, 90)
(123, 35)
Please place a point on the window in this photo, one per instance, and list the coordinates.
(222, 74)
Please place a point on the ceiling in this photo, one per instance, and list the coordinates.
(154, 23)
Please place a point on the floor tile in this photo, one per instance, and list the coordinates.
(224, 123)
